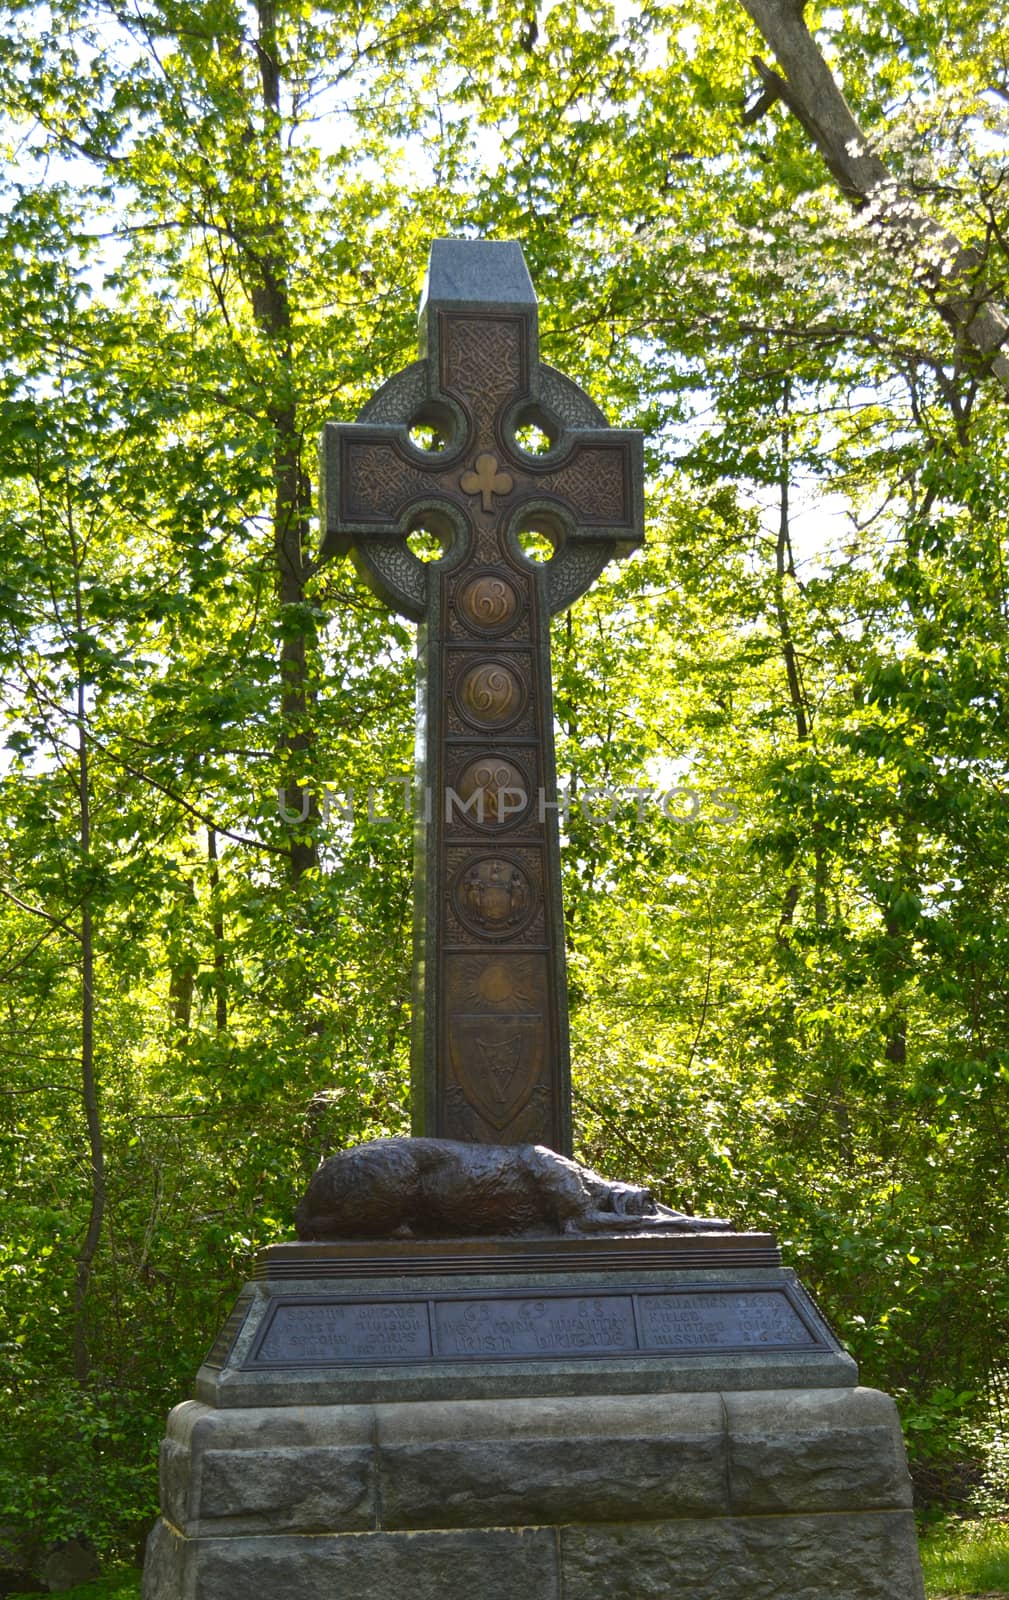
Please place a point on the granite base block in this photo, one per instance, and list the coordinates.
(762, 1495)
(871, 1555)
(496, 1564)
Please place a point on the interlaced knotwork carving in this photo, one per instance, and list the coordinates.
(487, 347)
(380, 482)
(399, 398)
(487, 545)
(567, 402)
(573, 570)
(403, 573)
(594, 484)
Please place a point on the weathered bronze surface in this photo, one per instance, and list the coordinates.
(490, 1043)
(564, 1253)
(445, 1188)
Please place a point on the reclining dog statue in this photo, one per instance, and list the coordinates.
(444, 1188)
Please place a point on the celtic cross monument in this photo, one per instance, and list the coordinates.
(490, 1041)
(481, 1367)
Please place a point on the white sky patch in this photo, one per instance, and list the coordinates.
(626, 12)
(668, 772)
(819, 520)
(687, 38)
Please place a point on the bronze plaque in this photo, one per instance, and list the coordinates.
(545, 1325)
(324, 1332)
(632, 1320)
(494, 791)
(490, 694)
(718, 1320)
(222, 1346)
(488, 602)
(498, 1061)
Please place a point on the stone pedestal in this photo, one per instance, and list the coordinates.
(628, 1423)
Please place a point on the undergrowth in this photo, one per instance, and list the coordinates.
(966, 1558)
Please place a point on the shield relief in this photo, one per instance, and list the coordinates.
(497, 1061)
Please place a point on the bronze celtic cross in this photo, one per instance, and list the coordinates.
(490, 1032)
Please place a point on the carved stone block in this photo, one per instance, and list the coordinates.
(639, 1496)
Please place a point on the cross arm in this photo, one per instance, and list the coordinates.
(376, 486)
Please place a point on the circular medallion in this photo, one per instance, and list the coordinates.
(494, 791)
(493, 896)
(503, 981)
(490, 694)
(497, 984)
(488, 602)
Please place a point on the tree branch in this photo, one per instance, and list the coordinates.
(952, 272)
(37, 911)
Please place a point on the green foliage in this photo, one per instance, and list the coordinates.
(965, 1558)
(789, 976)
(123, 1585)
(84, 1462)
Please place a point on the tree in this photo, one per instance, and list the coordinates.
(957, 277)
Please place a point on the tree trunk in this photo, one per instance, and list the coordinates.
(89, 1081)
(953, 274)
(784, 566)
(292, 494)
(220, 992)
(180, 993)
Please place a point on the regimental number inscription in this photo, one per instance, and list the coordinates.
(488, 602)
(696, 1321)
(493, 791)
(490, 694)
